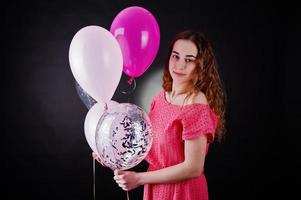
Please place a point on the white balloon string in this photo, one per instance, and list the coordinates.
(93, 178)
(127, 195)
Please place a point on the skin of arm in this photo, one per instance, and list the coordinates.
(191, 167)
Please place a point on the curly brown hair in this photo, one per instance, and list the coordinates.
(209, 81)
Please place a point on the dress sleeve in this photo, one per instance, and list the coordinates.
(197, 121)
(154, 100)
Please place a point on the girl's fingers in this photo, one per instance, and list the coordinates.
(117, 178)
(120, 177)
(120, 182)
(122, 172)
(121, 185)
(124, 187)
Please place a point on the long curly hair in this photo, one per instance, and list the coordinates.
(208, 82)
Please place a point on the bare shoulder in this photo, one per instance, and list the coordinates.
(198, 98)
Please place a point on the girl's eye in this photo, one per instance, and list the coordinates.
(175, 56)
(188, 60)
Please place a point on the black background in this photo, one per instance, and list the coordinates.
(257, 45)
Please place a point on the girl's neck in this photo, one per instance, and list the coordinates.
(178, 89)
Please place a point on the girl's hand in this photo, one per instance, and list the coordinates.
(127, 180)
(96, 157)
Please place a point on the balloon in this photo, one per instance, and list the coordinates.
(138, 34)
(96, 62)
(84, 96)
(92, 119)
(123, 136)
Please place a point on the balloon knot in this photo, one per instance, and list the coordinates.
(130, 80)
(105, 107)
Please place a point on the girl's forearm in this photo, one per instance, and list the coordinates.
(170, 174)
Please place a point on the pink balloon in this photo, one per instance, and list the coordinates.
(96, 62)
(138, 34)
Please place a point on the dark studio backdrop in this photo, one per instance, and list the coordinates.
(46, 155)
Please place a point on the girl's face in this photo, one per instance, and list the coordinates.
(182, 61)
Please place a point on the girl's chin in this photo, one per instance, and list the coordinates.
(180, 81)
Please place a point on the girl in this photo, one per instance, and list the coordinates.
(186, 116)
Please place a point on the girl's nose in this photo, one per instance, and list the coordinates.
(180, 65)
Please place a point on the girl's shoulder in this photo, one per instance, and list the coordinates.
(197, 98)
(157, 95)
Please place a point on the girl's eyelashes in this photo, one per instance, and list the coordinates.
(175, 56)
(188, 60)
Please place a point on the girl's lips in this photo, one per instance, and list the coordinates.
(179, 74)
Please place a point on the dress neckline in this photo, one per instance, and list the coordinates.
(181, 106)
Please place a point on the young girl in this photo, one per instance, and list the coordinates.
(186, 116)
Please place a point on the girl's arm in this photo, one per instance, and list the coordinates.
(192, 166)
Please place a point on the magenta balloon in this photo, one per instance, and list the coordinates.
(138, 35)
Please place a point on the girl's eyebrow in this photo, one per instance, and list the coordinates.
(190, 56)
(175, 52)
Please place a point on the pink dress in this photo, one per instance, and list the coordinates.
(171, 125)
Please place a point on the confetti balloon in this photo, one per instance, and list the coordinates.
(123, 136)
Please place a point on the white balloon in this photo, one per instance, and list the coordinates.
(91, 121)
(96, 62)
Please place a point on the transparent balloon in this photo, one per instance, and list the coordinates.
(84, 96)
(123, 136)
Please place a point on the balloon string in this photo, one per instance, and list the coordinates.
(94, 178)
(127, 195)
(130, 82)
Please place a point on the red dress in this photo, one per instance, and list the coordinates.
(171, 125)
